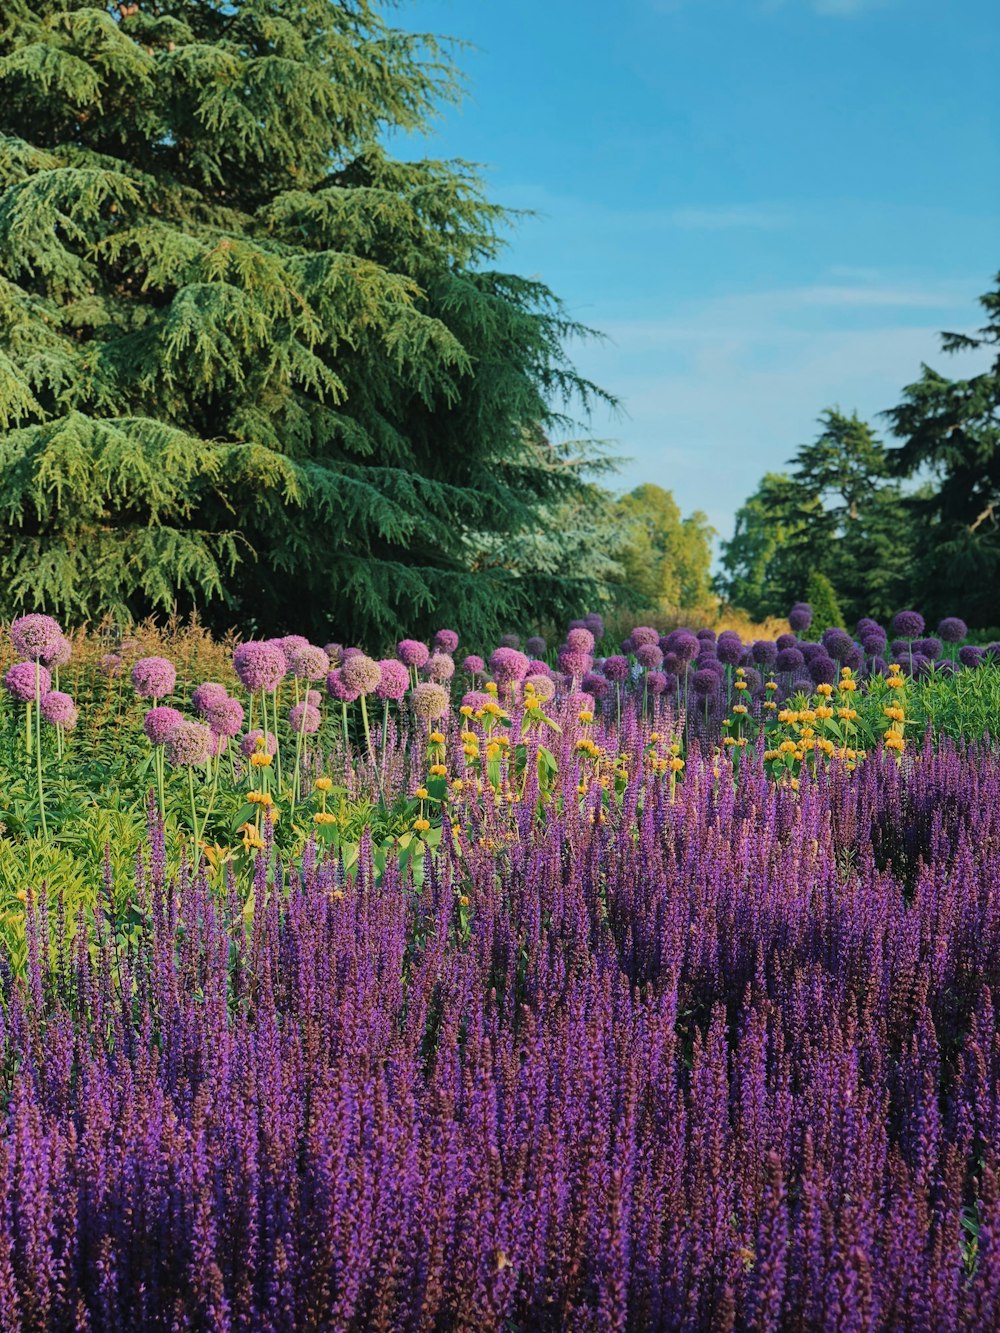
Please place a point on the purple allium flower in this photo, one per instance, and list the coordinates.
(508, 665)
(594, 621)
(111, 664)
(991, 650)
(544, 687)
(536, 667)
(800, 617)
(474, 665)
(535, 646)
(784, 641)
(291, 643)
(35, 636)
(260, 666)
(248, 745)
(648, 655)
(645, 634)
(188, 744)
(837, 642)
(20, 681)
(616, 668)
(753, 679)
(920, 664)
(351, 652)
(596, 684)
(476, 700)
(823, 669)
(308, 662)
(338, 689)
(335, 652)
(412, 653)
(154, 677)
(59, 710)
(729, 647)
(580, 699)
(865, 625)
(765, 652)
(304, 719)
(429, 700)
(580, 640)
(908, 624)
(803, 685)
(159, 722)
(446, 641)
(656, 683)
(225, 717)
(207, 693)
(672, 664)
(970, 655)
(709, 664)
(394, 679)
(704, 682)
(59, 653)
(575, 662)
(900, 648)
(952, 629)
(627, 647)
(789, 659)
(361, 673)
(684, 644)
(930, 646)
(509, 641)
(706, 635)
(873, 643)
(439, 667)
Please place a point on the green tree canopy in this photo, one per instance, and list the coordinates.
(667, 557)
(248, 361)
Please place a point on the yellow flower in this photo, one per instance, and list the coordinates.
(675, 749)
(739, 708)
(771, 685)
(823, 712)
(770, 705)
(421, 825)
(324, 784)
(741, 671)
(729, 740)
(894, 742)
(848, 714)
(466, 710)
(895, 668)
(847, 686)
(585, 715)
(824, 689)
(846, 672)
(421, 793)
(739, 684)
(260, 798)
(788, 715)
(464, 900)
(438, 770)
(676, 764)
(897, 714)
(457, 784)
(787, 747)
(655, 736)
(895, 682)
(436, 738)
(491, 687)
(260, 760)
(324, 817)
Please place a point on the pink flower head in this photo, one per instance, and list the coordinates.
(188, 744)
(35, 636)
(159, 722)
(59, 653)
(474, 665)
(394, 679)
(508, 665)
(649, 655)
(446, 640)
(154, 677)
(580, 640)
(225, 717)
(361, 674)
(429, 700)
(616, 668)
(439, 667)
(338, 689)
(304, 719)
(644, 634)
(309, 662)
(412, 653)
(248, 745)
(335, 652)
(260, 666)
(574, 662)
(111, 664)
(544, 687)
(20, 681)
(475, 699)
(59, 710)
(207, 693)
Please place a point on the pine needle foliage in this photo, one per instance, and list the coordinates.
(250, 363)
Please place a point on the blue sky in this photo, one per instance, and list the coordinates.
(768, 206)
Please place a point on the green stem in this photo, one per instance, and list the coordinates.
(27, 730)
(277, 748)
(194, 815)
(38, 745)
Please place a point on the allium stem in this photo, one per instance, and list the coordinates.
(277, 748)
(27, 730)
(38, 746)
(194, 815)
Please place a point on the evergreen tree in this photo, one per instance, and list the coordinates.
(822, 597)
(248, 361)
(952, 429)
(761, 572)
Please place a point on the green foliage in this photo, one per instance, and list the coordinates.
(952, 429)
(249, 361)
(666, 559)
(822, 597)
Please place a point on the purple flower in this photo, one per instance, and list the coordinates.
(335, 652)
(544, 687)
(509, 641)
(188, 744)
(580, 640)
(154, 677)
(508, 665)
(20, 681)
(476, 700)
(656, 683)
(225, 717)
(394, 679)
(59, 710)
(800, 617)
(429, 701)
(304, 719)
(59, 653)
(412, 652)
(595, 623)
(648, 655)
(684, 644)
(361, 673)
(595, 684)
(616, 668)
(207, 693)
(930, 647)
(953, 630)
(474, 665)
(823, 669)
(111, 664)
(535, 646)
(970, 655)
(873, 643)
(706, 635)
(536, 667)
(309, 662)
(338, 688)
(446, 641)
(248, 745)
(789, 659)
(908, 624)
(260, 666)
(784, 641)
(704, 682)
(35, 636)
(439, 667)
(764, 652)
(575, 662)
(645, 634)
(729, 647)
(159, 722)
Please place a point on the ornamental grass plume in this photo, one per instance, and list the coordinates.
(35, 636)
(154, 677)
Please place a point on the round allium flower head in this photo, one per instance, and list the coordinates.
(580, 640)
(952, 629)
(800, 617)
(59, 653)
(656, 683)
(291, 643)
(154, 677)
(648, 655)
(803, 685)
(159, 722)
(20, 681)
(900, 648)
(626, 647)
(308, 663)
(335, 652)
(59, 710)
(970, 655)
(573, 661)
(764, 652)
(706, 635)
(225, 717)
(111, 664)
(865, 624)
(361, 673)
(645, 634)
(837, 642)
(616, 668)
(823, 669)
(596, 684)
(338, 688)
(35, 636)
(580, 699)
(672, 664)
(475, 699)
(710, 664)
(304, 719)
(991, 650)
(535, 646)
(544, 687)
(536, 667)
(352, 652)
(439, 667)
(207, 693)
(429, 700)
(873, 642)
(412, 653)
(729, 647)
(789, 659)
(920, 664)
(704, 681)
(908, 624)
(930, 647)
(189, 743)
(508, 665)
(784, 641)
(510, 641)
(594, 621)
(260, 666)
(474, 665)
(685, 644)
(394, 679)
(248, 745)
(446, 640)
